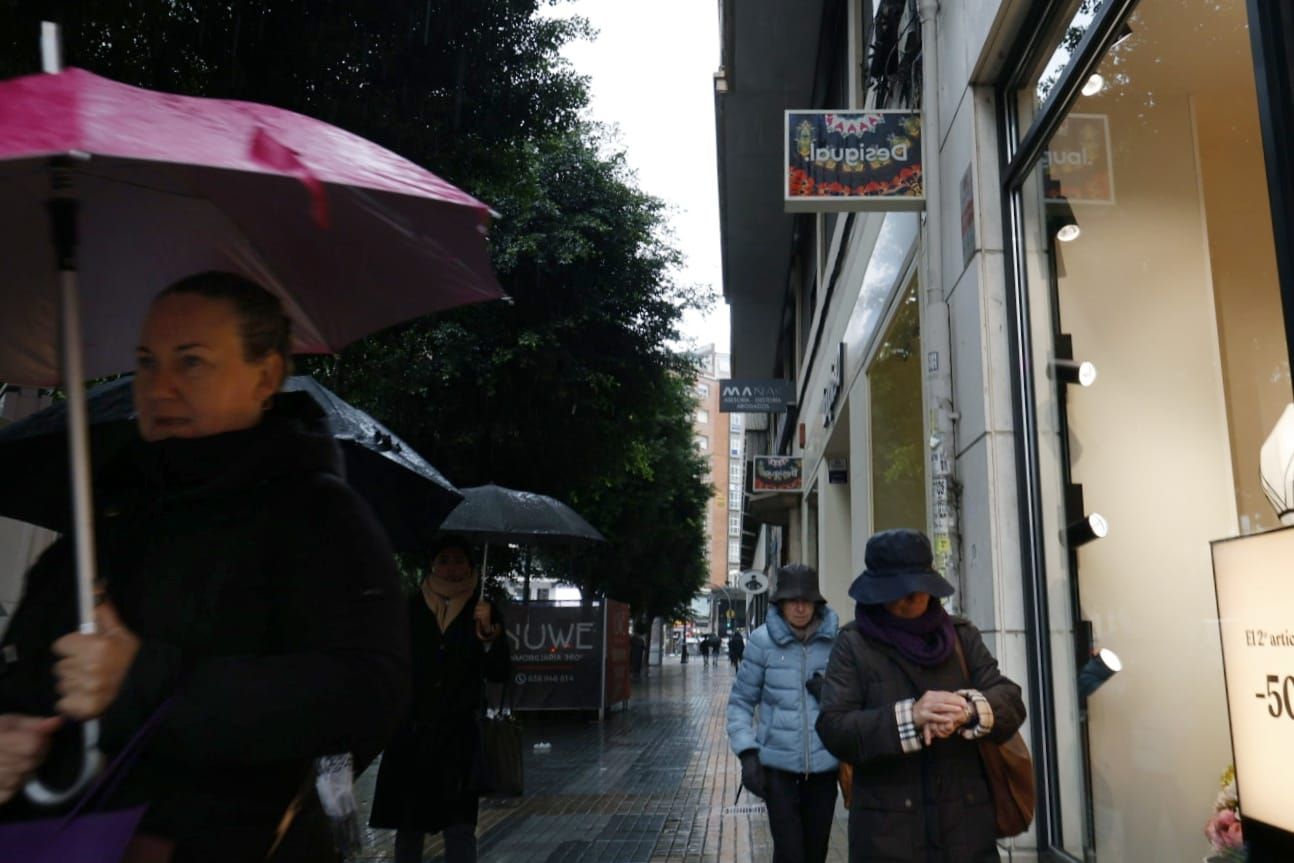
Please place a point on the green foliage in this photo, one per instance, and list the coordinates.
(570, 389)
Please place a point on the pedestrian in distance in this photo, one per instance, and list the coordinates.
(426, 782)
(250, 601)
(704, 646)
(736, 647)
(897, 705)
(782, 759)
(683, 653)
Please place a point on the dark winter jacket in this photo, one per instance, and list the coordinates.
(930, 805)
(772, 676)
(427, 778)
(266, 600)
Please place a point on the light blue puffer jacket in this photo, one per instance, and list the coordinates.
(772, 675)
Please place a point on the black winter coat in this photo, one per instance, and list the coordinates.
(930, 806)
(268, 607)
(426, 779)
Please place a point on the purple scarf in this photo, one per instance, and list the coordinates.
(926, 640)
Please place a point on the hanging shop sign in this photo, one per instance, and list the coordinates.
(1076, 165)
(777, 473)
(837, 471)
(1256, 620)
(854, 160)
(756, 396)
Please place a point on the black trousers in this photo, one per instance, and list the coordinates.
(800, 809)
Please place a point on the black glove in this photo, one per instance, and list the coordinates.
(814, 685)
(752, 773)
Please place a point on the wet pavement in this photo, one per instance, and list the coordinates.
(653, 783)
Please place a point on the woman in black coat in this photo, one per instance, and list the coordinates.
(897, 705)
(247, 587)
(427, 780)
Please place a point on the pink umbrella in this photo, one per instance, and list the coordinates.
(351, 236)
(143, 188)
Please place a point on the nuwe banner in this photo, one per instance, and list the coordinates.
(853, 160)
(569, 657)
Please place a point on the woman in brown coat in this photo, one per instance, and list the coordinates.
(897, 705)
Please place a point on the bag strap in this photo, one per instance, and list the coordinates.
(290, 814)
(961, 659)
(107, 781)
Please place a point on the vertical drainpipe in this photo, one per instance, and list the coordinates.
(935, 329)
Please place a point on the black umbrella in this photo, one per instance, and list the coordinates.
(409, 496)
(491, 513)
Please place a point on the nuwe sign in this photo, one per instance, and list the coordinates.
(853, 160)
(757, 397)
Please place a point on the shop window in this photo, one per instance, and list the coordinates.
(898, 439)
(1149, 253)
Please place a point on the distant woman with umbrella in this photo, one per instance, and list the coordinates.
(426, 781)
(249, 596)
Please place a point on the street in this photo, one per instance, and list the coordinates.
(648, 785)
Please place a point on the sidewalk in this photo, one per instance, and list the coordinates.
(648, 785)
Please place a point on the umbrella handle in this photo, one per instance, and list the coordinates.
(42, 795)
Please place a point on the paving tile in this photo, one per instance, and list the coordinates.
(649, 784)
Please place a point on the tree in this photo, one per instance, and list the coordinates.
(571, 389)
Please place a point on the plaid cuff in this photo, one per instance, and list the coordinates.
(982, 722)
(909, 737)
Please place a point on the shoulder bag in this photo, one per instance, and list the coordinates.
(1009, 769)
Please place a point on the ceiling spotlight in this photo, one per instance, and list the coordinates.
(1103, 665)
(1074, 372)
(1089, 527)
(1061, 223)
(1094, 85)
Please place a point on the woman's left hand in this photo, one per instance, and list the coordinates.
(485, 628)
(93, 667)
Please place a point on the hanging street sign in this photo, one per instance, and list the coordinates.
(755, 396)
(754, 582)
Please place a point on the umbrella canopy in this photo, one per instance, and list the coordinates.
(493, 514)
(352, 237)
(409, 496)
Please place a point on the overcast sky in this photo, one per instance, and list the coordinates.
(651, 71)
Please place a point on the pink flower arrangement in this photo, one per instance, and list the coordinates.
(1223, 829)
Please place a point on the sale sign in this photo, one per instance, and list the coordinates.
(1256, 619)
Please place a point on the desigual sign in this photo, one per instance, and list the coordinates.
(1076, 165)
(853, 160)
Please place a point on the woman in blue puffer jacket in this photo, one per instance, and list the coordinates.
(782, 759)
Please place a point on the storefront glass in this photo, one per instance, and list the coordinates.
(1073, 25)
(897, 432)
(1150, 255)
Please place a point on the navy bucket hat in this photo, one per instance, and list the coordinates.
(898, 562)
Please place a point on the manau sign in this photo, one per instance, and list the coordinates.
(853, 160)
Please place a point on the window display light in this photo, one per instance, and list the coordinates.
(1276, 464)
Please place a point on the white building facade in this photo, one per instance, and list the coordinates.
(1106, 184)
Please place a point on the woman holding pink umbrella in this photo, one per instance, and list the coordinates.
(249, 601)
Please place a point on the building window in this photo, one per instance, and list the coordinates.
(702, 415)
(734, 422)
(702, 443)
(734, 472)
(734, 490)
(724, 366)
(734, 525)
(703, 390)
(734, 551)
(734, 449)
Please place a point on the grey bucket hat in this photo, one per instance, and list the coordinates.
(898, 562)
(796, 581)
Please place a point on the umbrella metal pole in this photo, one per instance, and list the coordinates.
(62, 211)
(79, 454)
